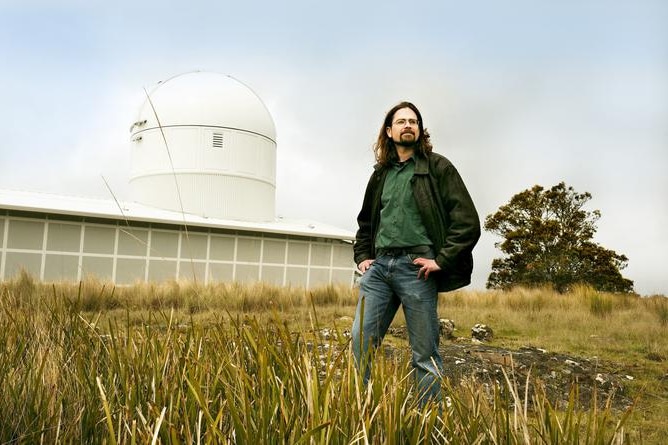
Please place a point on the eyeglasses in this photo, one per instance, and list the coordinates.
(402, 122)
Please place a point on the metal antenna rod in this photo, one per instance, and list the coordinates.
(176, 183)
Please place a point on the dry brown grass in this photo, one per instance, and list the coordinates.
(626, 330)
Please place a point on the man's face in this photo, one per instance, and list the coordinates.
(405, 129)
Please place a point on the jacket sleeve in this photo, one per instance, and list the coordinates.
(363, 248)
(462, 229)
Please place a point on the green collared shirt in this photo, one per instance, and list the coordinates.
(400, 221)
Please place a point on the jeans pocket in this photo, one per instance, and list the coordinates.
(412, 256)
(428, 255)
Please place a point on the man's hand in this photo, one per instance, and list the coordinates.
(427, 266)
(364, 265)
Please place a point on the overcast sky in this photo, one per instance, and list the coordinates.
(514, 93)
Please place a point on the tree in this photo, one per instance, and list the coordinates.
(547, 239)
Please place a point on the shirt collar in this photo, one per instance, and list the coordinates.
(411, 158)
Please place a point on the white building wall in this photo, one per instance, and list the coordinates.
(221, 173)
(54, 250)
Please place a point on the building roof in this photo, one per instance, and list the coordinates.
(202, 98)
(132, 211)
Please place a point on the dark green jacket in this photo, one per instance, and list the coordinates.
(447, 212)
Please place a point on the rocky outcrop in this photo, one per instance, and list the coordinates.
(557, 373)
(482, 332)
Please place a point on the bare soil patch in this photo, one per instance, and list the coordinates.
(557, 373)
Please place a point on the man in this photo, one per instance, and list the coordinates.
(417, 229)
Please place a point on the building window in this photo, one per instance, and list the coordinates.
(193, 246)
(63, 237)
(164, 244)
(321, 254)
(297, 253)
(61, 267)
(30, 262)
(25, 235)
(99, 239)
(101, 267)
(274, 252)
(132, 241)
(248, 250)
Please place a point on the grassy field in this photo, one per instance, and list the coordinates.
(230, 363)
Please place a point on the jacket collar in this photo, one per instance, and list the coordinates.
(421, 165)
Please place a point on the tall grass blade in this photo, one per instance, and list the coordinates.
(107, 412)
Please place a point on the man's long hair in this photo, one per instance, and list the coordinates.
(386, 151)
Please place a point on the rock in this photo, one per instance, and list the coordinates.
(482, 332)
(604, 381)
(326, 333)
(446, 328)
(399, 331)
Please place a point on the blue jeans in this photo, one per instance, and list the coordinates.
(389, 282)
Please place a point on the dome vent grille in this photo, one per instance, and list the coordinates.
(217, 141)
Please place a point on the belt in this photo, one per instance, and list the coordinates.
(398, 251)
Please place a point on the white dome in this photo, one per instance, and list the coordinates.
(205, 144)
(210, 99)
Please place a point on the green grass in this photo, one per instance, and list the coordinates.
(231, 363)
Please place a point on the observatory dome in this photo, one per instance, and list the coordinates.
(204, 143)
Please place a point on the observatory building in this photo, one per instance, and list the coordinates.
(211, 135)
(203, 184)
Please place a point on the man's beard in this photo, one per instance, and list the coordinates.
(406, 142)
